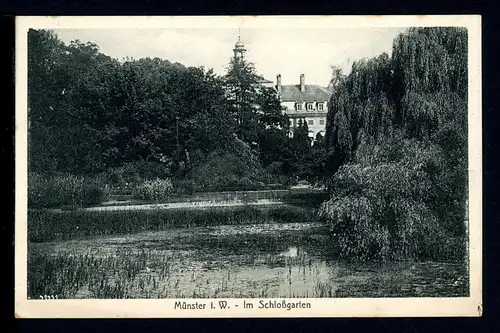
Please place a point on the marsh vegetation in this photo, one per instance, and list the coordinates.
(250, 260)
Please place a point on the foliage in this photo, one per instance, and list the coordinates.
(381, 204)
(89, 113)
(336, 79)
(254, 108)
(140, 119)
(396, 141)
(51, 226)
(235, 168)
(359, 105)
(184, 186)
(64, 190)
(135, 172)
(156, 190)
(274, 147)
(242, 88)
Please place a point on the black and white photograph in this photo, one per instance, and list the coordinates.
(241, 165)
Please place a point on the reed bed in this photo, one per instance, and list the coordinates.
(97, 274)
(46, 225)
(100, 273)
(110, 272)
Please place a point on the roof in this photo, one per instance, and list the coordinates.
(263, 80)
(239, 43)
(292, 93)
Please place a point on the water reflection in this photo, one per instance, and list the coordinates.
(292, 252)
(268, 260)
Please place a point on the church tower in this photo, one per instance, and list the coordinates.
(239, 48)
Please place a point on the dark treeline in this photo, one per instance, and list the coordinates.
(141, 119)
(394, 154)
(89, 112)
(397, 150)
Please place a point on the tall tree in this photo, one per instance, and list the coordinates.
(88, 112)
(337, 77)
(397, 143)
(242, 88)
(45, 52)
(359, 106)
(254, 107)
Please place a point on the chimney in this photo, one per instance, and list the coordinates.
(278, 83)
(302, 83)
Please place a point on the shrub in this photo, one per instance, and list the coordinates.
(380, 206)
(184, 186)
(274, 168)
(94, 195)
(157, 189)
(238, 168)
(64, 190)
(122, 179)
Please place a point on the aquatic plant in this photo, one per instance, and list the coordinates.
(65, 190)
(155, 190)
(44, 225)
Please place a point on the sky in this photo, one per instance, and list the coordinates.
(286, 51)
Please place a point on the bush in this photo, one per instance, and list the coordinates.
(156, 190)
(94, 195)
(184, 186)
(123, 179)
(64, 190)
(381, 203)
(238, 168)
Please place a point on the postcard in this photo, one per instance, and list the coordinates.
(248, 166)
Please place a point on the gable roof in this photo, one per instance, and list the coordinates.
(292, 93)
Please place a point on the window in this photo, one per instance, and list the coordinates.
(310, 122)
(320, 106)
(299, 107)
(322, 121)
(290, 123)
(309, 107)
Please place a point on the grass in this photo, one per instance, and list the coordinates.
(121, 273)
(44, 225)
(147, 273)
(65, 190)
(99, 275)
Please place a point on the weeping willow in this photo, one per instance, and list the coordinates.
(430, 66)
(412, 90)
(396, 140)
(359, 106)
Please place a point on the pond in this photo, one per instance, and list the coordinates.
(262, 260)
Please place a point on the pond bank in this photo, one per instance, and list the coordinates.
(293, 196)
(190, 204)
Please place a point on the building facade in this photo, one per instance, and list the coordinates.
(303, 102)
(300, 102)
